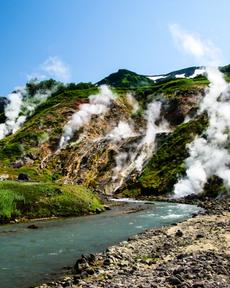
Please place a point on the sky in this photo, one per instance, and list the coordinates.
(85, 40)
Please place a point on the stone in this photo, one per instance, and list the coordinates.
(198, 284)
(81, 265)
(179, 233)
(90, 271)
(174, 280)
(181, 256)
(98, 210)
(91, 258)
(23, 177)
(76, 279)
(107, 262)
(4, 177)
(84, 275)
(200, 235)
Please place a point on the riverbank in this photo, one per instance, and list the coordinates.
(191, 254)
(21, 201)
(33, 256)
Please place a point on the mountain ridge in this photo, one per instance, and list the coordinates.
(118, 139)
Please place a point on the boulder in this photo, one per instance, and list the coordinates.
(4, 177)
(173, 280)
(23, 177)
(81, 264)
(179, 233)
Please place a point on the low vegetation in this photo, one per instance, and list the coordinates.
(126, 79)
(49, 116)
(39, 137)
(35, 200)
(167, 164)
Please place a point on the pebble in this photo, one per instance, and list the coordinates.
(168, 257)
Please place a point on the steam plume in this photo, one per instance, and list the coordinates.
(139, 154)
(122, 131)
(20, 106)
(208, 154)
(133, 102)
(148, 143)
(12, 111)
(98, 104)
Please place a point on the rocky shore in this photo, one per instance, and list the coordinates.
(191, 254)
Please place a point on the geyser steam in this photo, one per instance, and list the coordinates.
(21, 105)
(12, 111)
(208, 154)
(136, 157)
(148, 143)
(122, 131)
(98, 104)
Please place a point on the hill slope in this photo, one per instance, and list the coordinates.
(131, 137)
(126, 79)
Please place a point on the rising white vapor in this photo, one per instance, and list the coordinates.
(132, 102)
(56, 68)
(208, 154)
(147, 145)
(122, 131)
(139, 154)
(125, 129)
(197, 72)
(98, 104)
(19, 107)
(12, 111)
(53, 67)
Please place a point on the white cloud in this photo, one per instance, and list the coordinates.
(192, 44)
(55, 67)
(52, 67)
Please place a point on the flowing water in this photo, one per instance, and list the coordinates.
(29, 257)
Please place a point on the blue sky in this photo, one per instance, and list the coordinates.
(85, 40)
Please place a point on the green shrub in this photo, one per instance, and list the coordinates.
(8, 203)
(12, 149)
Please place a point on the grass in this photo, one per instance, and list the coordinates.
(171, 89)
(35, 200)
(53, 114)
(45, 127)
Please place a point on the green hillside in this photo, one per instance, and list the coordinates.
(126, 79)
(34, 149)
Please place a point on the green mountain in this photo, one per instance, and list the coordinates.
(101, 148)
(126, 79)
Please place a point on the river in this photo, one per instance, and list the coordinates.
(29, 257)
